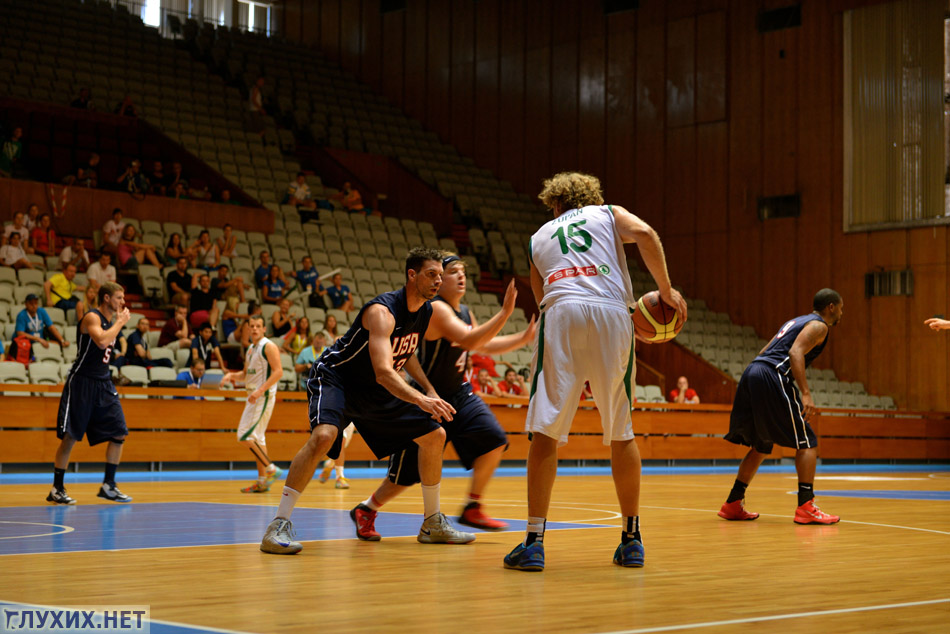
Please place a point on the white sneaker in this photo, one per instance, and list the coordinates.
(437, 530)
(113, 494)
(279, 538)
(59, 496)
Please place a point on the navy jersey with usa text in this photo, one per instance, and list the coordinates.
(349, 359)
(443, 361)
(777, 352)
(91, 360)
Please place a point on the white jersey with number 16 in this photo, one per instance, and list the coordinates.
(580, 257)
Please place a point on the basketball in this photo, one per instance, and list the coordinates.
(654, 320)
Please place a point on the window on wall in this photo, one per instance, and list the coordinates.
(255, 15)
(894, 115)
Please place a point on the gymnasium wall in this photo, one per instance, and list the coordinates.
(688, 114)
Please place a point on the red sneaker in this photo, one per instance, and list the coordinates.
(736, 511)
(365, 519)
(808, 513)
(472, 516)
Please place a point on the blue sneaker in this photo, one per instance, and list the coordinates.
(527, 558)
(629, 555)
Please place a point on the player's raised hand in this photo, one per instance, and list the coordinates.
(440, 410)
(936, 323)
(675, 299)
(511, 294)
(123, 316)
(530, 331)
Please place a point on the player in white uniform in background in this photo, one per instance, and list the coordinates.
(579, 278)
(261, 374)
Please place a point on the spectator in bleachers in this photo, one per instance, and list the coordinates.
(132, 253)
(59, 289)
(126, 108)
(175, 331)
(206, 252)
(180, 282)
(10, 152)
(112, 231)
(206, 347)
(241, 333)
(35, 324)
(86, 174)
(257, 112)
(176, 184)
(157, 179)
(225, 198)
(330, 330)
(470, 374)
(120, 351)
(226, 242)
(203, 306)
(275, 287)
(683, 392)
(32, 216)
(230, 317)
(194, 375)
(483, 385)
(224, 288)
(101, 271)
(282, 321)
(139, 354)
(43, 237)
(12, 254)
(263, 271)
(19, 226)
(83, 101)
(132, 180)
(483, 362)
(308, 279)
(297, 338)
(89, 301)
(175, 250)
(513, 385)
(339, 294)
(350, 198)
(307, 356)
(75, 253)
(298, 193)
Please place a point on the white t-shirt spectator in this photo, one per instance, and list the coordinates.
(66, 256)
(300, 191)
(10, 254)
(112, 231)
(24, 232)
(100, 277)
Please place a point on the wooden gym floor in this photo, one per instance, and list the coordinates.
(188, 549)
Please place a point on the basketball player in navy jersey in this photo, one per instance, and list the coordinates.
(773, 405)
(357, 379)
(89, 404)
(474, 431)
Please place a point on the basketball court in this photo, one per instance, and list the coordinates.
(187, 547)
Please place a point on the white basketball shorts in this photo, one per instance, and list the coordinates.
(255, 418)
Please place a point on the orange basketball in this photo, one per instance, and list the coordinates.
(654, 320)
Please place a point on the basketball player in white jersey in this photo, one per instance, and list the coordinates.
(261, 374)
(579, 278)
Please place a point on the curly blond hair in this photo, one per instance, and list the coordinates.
(571, 190)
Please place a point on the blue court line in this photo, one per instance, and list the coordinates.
(96, 527)
(377, 473)
(152, 626)
(888, 495)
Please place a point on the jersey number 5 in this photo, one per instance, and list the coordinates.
(573, 232)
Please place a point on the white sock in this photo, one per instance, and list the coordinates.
(372, 503)
(339, 472)
(271, 468)
(430, 499)
(536, 525)
(287, 502)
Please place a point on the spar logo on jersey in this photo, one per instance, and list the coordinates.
(604, 269)
(573, 272)
(404, 347)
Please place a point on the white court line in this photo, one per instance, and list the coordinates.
(68, 529)
(779, 617)
(907, 528)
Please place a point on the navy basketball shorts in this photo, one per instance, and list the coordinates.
(473, 432)
(768, 410)
(90, 406)
(386, 427)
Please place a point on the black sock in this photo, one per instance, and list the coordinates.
(631, 529)
(805, 492)
(58, 475)
(738, 491)
(110, 474)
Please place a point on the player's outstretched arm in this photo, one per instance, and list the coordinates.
(507, 343)
(936, 323)
(811, 335)
(379, 322)
(445, 324)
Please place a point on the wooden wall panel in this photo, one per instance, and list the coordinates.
(681, 72)
(620, 179)
(537, 121)
(438, 81)
(779, 108)
(416, 74)
(462, 81)
(511, 98)
(591, 107)
(679, 218)
(487, 68)
(351, 35)
(650, 120)
(712, 177)
(330, 28)
(393, 46)
(711, 67)
(371, 49)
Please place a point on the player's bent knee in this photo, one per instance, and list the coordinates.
(323, 433)
(435, 437)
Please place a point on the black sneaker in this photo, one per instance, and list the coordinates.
(113, 494)
(58, 496)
